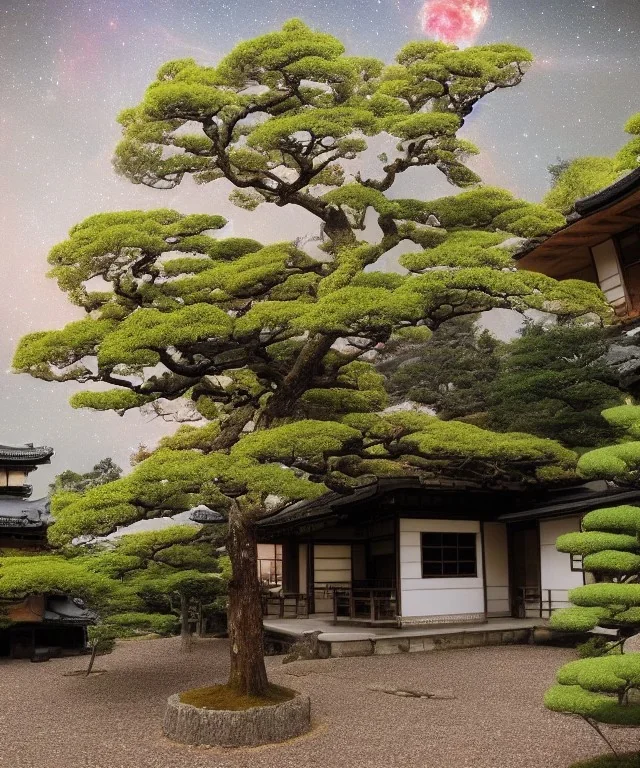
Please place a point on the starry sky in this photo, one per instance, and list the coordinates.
(68, 68)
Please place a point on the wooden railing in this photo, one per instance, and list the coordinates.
(283, 605)
(526, 601)
(365, 604)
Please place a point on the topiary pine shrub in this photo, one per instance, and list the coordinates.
(600, 689)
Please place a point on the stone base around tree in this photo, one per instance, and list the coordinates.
(244, 728)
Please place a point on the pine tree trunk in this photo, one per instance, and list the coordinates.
(185, 629)
(248, 674)
(94, 651)
(338, 229)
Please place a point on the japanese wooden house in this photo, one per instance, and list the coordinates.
(403, 554)
(39, 624)
(600, 244)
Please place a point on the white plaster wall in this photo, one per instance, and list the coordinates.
(331, 564)
(555, 567)
(496, 563)
(437, 597)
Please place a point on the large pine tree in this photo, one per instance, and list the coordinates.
(273, 344)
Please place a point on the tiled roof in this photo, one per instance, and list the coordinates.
(20, 454)
(65, 610)
(16, 512)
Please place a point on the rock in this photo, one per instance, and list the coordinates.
(179, 410)
(246, 728)
(512, 242)
(617, 354)
(410, 405)
(305, 649)
(588, 319)
(632, 645)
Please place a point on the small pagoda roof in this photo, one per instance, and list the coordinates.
(65, 610)
(597, 217)
(16, 512)
(25, 454)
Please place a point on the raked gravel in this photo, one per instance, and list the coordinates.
(112, 720)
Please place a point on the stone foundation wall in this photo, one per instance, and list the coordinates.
(334, 645)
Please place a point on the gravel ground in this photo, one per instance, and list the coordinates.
(112, 720)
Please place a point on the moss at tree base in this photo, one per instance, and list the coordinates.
(221, 697)
(627, 760)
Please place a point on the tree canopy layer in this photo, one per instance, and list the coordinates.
(550, 382)
(450, 370)
(103, 472)
(167, 570)
(554, 383)
(272, 345)
(587, 175)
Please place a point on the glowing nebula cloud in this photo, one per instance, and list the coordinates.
(454, 21)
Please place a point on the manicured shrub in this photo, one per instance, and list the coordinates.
(598, 686)
(128, 624)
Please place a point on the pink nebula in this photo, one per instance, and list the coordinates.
(454, 21)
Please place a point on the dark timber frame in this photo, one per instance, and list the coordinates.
(356, 521)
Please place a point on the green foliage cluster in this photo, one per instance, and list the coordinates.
(319, 103)
(135, 623)
(598, 688)
(451, 371)
(103, 472)
(619, 462)
(550, 382)
(22, 576)
(286, 463)
(554, 383)
(587, 175)
(582, 178)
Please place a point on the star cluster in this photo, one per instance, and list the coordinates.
(68, 67)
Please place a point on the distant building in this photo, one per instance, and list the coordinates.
(39, 623)
(600, 244)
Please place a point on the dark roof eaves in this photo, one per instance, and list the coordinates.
(563, 509)
(609, 195)
(587, 206)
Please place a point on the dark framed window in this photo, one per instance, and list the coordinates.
(446, 555)
(629, 247)
(576, 563)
